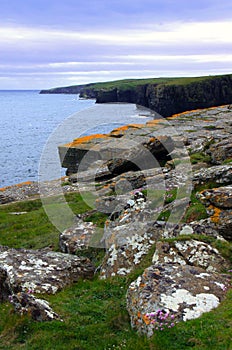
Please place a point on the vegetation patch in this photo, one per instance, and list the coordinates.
(200, 157)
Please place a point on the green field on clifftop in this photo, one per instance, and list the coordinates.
(125, 84)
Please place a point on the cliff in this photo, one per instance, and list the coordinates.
(174, 96)
(166, 96)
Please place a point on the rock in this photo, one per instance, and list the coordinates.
(42, 271)
(121, 260)
(182, 291)
(128, 236)
(77, 237)
(190, 252)
(112, 204)
(203, 227)
(142, 155)
(221, 151)
(219, 207)
(220, 197)
(4, 199)
(4, 288)
(131, 147)
(221, 174)
(38, 309)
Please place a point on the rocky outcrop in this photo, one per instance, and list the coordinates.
(121, 150)
(181, 292)
(221, 151)
(219, 207)
(41, 271)
(174, 97)
(75, 89)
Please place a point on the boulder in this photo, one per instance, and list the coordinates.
(42, 271)
(38, 309)
(180, 292)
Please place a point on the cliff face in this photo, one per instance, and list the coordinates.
(169, 99)
(166, 96)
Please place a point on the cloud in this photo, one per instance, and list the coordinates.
(57, 43)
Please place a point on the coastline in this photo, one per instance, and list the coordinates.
(29, 190)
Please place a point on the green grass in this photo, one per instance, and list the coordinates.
(126, 84)
(199, 157)
(34, 229)
(94, 312)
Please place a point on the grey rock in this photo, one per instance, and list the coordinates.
(38, 309)
(183, 291)
(221, 151)
(190, 252)
(42, 271)
(219, 208)
(77, 238)
(221, 174)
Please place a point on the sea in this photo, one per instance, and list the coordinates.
(30, 122)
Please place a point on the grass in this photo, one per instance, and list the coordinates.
(94, 312)
(125, 84)
(199, 157)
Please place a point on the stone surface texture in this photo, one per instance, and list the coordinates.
(185, 291)
(42, 271)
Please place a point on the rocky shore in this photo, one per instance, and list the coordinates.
(166, 187)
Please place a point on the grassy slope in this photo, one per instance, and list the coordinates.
(94, 312)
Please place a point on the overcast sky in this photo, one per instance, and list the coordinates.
(49, 43)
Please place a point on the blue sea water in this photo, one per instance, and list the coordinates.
(28, 119)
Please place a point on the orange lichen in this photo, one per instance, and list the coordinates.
(24, 183)
(122, 129)
(85, 139)
(2, 189)
(146, 319)
(193, 111)
(216, 214)
(154, 122)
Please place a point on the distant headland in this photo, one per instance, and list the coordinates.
(166, 96)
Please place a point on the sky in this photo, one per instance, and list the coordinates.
(50, 43)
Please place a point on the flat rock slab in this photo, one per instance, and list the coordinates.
(186, 292)
(40, 271)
